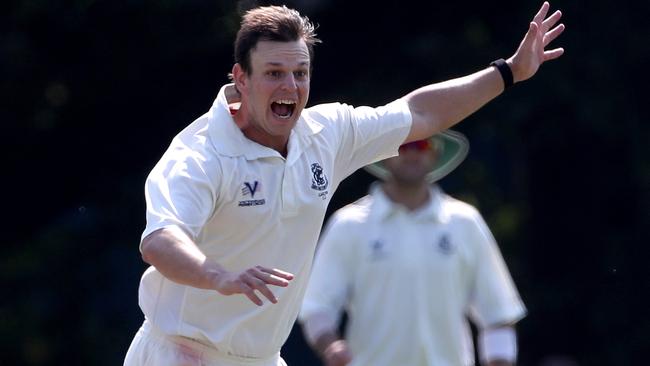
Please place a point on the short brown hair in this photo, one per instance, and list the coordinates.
(272, 23)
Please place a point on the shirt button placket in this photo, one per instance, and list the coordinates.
(289, 193)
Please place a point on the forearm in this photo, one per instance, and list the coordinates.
(325, 340)
(500, 363)
(319, 329)
(178, 258)
(439, 106)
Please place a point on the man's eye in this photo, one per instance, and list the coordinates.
(300, 74)
(275, 74)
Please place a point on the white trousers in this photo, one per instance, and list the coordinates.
(150, 347)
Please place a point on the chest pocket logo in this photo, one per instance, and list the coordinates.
(318, 180)
(378, 250)
(445, 245)
(250, 188)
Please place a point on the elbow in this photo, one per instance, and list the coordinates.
(424, 124)
(155, 246)
(146, 257)
(148, 249)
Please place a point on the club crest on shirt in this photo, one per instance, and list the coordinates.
(378, 250)
(444, 245)
(250, 189)
(318, 179)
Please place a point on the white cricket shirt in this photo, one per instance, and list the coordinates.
(410, 279)
(246, 205)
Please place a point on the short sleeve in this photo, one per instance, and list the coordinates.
(494, 298)
(178, 193)
(365, 134)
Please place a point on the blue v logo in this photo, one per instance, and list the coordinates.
(250, 189)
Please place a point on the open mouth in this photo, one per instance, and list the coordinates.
(283, 108)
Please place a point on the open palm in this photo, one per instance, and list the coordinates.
(532, 52)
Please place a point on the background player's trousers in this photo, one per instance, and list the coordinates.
(150, 347)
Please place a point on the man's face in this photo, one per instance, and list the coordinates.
(276, 91)
(414, 161)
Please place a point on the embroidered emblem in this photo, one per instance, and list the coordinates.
(378, 250)
(445, 246)
(319, 180)
(250, 189)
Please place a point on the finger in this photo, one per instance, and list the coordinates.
(260, 286)
(541, 14)
(277, 272)
(530, 36)
(250, 293)
(550, 21)
(552, 34)
(260, 274)
(553, 54)
(276, 281)
(266, 275)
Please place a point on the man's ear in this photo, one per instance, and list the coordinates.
(239, 77)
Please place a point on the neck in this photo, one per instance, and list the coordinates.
(411, 196)
(254, 133)
(276, 143)
(249, 130)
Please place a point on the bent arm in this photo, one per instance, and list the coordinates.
(320, 330)
(179, 259)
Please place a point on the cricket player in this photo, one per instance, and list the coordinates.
(410, 265)
(236, 203)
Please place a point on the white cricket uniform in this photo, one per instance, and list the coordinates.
(245, 205)
(408, 280)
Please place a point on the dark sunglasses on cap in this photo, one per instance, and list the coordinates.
(419, 145)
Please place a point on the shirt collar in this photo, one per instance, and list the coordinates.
(229, 140)
(383, 207)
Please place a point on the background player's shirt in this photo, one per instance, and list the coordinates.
(410, 279)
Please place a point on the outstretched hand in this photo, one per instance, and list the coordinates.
(531, 52)
(255, 278)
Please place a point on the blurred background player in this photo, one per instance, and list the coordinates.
(410, 265)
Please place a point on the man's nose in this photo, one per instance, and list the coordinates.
(289, 82)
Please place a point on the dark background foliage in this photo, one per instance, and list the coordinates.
(92, 91)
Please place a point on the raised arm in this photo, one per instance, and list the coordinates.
(177, 257)
(439, 106)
